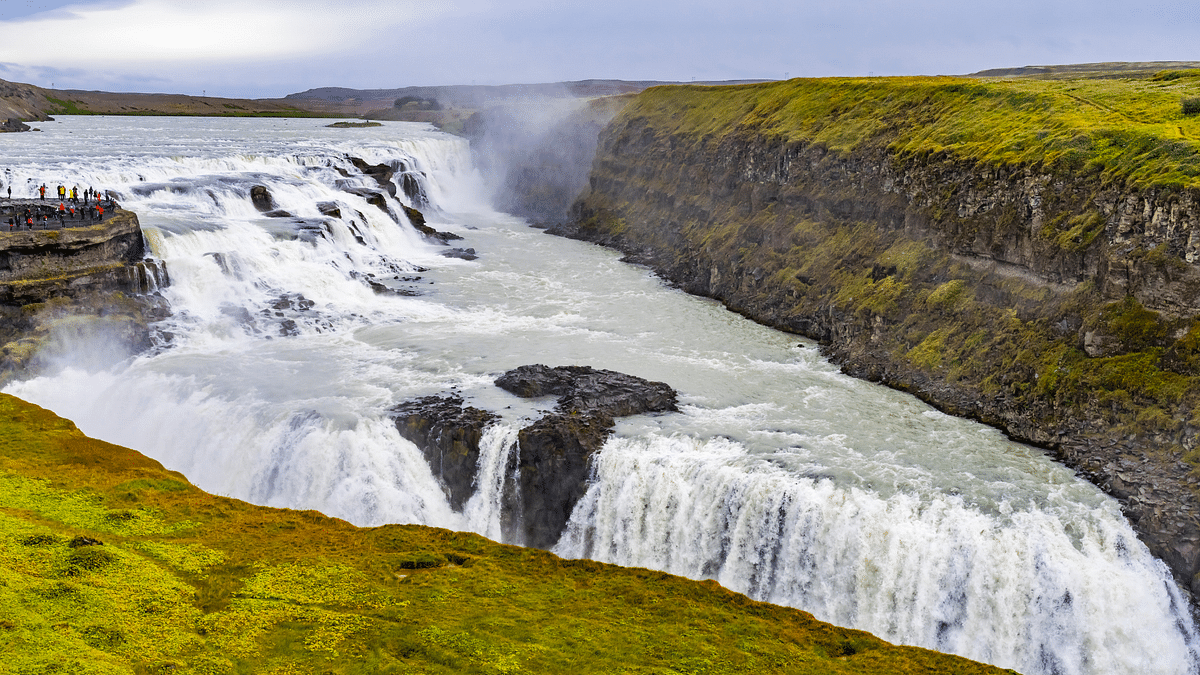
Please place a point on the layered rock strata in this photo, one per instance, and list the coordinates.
(61, 287)
(1059, 306)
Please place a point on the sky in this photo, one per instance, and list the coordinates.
(270, 48)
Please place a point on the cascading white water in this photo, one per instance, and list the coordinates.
(781, 478)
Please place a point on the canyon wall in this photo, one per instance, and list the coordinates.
(1054, 298)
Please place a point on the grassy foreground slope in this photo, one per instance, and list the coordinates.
(111, 564)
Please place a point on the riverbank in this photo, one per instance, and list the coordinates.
(1021, 253)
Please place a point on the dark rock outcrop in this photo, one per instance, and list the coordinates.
(586, 391)
(460, 253)
(374, 197)
(448, 433)
(262, 199)
(380, 173)
(418, 221)
(78, 285)
(553, 461)
(556, 451)
(14, 124)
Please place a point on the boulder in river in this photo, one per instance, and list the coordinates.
(261, 197)
(14, 124)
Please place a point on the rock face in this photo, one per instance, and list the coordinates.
(554, 453)
(448, 434)
(1058, 306)
(261, 197)
(61, 288)
(37, 264)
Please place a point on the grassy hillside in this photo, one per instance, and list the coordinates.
(1133, 130)
(111, 564)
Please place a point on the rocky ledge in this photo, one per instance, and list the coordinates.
(552, 459)
(60, 285)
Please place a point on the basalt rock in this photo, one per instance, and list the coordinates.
(460, 253)
(380, 173)
(418, 221)
(584, 390)
(262, 199)
(553, 461)
(555, 452)
(374, 197)
(14, 124)
(448, 433)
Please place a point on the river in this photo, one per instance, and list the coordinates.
(780, 478)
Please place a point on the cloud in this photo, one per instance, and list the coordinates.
(171, 32)
(275, 47)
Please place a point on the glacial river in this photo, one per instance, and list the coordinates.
(780, 478)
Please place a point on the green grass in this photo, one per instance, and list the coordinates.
(1127, 129)
(65, 107)
(111, 564)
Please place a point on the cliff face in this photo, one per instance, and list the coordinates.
(60, 286)
(1055, 299)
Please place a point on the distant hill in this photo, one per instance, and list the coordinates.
(1116, 69)
(480, 96)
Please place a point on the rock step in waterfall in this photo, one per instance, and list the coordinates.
(552, 464)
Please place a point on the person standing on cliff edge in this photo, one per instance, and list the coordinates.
(42, 191)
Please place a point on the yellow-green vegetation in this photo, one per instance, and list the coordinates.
(1138, 130)
(111, 564)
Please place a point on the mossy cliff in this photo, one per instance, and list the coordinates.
(1020, 252)
(111, 564)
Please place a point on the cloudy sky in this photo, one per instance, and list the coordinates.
(269, 48)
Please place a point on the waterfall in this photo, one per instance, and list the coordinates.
(1023, 588)
(292, 334)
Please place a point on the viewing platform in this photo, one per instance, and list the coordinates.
(63, 259)
(45, 214)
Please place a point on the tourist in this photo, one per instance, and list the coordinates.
(75, 194)
(42, 191)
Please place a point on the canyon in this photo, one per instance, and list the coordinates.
(1052, 297)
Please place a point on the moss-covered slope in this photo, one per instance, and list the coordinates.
(1022, 252)
(111, 564)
